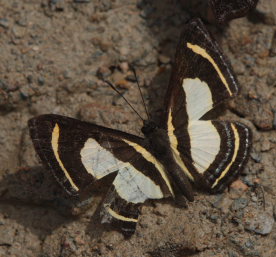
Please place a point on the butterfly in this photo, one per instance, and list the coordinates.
(184, 149)
(225, 10)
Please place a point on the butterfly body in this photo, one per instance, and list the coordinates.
(158, 142)
(184, 149)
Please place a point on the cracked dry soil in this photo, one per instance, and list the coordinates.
(50, 58)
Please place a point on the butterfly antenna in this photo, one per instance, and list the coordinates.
(135, 75)
(115, 89)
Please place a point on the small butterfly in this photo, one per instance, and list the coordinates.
(182, 150)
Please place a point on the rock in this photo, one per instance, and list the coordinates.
(24, 95)
(222, 202)
(18, 31)
(259, 222)
(41, 81)
(266, 146)
(4, 23)
(57, 5)
(239, 185)
(124, 67)
(164, 59)
(6, 236)
(117, 76)
(131, 78)
(256, 157)
(30, 79)
(239, 203)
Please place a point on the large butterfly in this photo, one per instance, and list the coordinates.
(183, 150)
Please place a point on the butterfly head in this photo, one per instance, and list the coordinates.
(148, 127)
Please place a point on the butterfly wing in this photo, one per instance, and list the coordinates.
(210, 153)
(80, 153)
(225, 10)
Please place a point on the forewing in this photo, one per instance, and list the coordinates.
(201, 77)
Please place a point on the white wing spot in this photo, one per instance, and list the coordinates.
(198, 98)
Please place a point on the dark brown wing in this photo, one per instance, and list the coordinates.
(225, 10)
(79, 153)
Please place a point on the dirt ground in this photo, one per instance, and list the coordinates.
(51, 55)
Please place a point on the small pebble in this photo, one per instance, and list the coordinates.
(23, 95)
(265, 145)
(124, 67)
(131, 78)
(260, 223)
(3, 85)
(18, 31)
(249, 244)
(22, 22)
(248, 181)
(254, 198)
(117, 77)
(164, 59)
(214, 219)
(256, 157)
(239, 203)
(30, 79)
(40, 81)
(4, 23)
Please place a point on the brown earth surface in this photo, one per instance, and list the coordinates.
(51, 55)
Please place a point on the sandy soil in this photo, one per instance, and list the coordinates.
(51, 55)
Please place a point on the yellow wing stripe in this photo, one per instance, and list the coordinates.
(237, 146)
(55, 137)
(173, 142)
(150, 158)
(198, 50)
(120, 217)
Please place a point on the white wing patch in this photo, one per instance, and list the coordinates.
(135, 187)
(98, 161)
(198, 98)
(205, 143)
(131, 184)
(150, 158)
